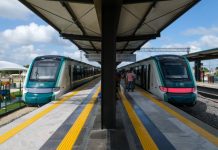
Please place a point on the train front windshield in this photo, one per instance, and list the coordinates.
(175, 69)
(44, 70)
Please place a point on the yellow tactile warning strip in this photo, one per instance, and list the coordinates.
(143, 135)
(7, 135)
(70, 138)
(189, 123)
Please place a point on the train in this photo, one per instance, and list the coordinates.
(51, 76)
(168, 77)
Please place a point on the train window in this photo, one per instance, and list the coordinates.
(74, 73)
(174, 70)
(149, 77)
(45, 70)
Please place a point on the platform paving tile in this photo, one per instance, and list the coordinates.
(35, 135)
(180, 135)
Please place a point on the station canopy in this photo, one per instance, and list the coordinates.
(9, 66)
(203, 55)
(80, 20)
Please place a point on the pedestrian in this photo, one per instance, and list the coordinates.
(133, 83)
(130, 76)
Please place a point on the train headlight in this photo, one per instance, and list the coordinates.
(56, 89)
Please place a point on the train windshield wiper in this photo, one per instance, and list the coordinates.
(37, 73)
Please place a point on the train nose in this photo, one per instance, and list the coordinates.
(38, 99)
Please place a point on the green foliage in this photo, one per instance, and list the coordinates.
(216, 73)
(205, 69)
(26, 66)
(16, 94)
(11, 107)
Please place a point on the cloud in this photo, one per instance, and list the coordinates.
(207, 38)
(26, 34)
(25, 42)
(202, 31)
(26, 53)
(13, 9)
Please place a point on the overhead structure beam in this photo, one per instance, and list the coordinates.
(142, 21)
(76, 1)
(187, 6)
(140, 1)
(118, 39)
(110, 10)
(91, 1)
(75, 19)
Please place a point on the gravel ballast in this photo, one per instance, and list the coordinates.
(15, 115)
(205, 110)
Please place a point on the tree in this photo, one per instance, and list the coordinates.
(26, 66)
(205, 69)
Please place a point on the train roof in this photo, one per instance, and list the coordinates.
(63, 57)
(153, 57)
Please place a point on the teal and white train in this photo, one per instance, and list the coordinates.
(169, 77)
(49, 77)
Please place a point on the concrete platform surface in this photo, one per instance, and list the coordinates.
(180, 135)
(35, 135)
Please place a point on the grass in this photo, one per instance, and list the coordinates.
(16, 94)
(11, 107)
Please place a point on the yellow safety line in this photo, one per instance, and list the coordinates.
(5, 136)
(143, 135)
(189, 123)
(70, 138)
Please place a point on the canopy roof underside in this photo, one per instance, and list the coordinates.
(203, 55)
(140, 20)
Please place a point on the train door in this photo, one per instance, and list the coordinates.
(70, 74)
(142, 75)
(149, 77)
(145, 77)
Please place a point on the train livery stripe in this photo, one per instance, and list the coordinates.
(189, 123)
(70, 138)
(143, 135)
(7, 135)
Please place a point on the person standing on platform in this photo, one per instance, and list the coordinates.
(130, 76)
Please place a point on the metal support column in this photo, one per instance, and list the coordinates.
(198, 70)
(110, 11)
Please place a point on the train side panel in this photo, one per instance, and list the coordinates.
(155, 80)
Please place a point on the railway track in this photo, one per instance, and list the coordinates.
(210, 93)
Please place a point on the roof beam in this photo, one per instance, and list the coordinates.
(139, 1)
(97, 4)
(89, 49)
(94, 1)
(119, 39)
(138, 37)
(81, 37)
(76, 1)
(99, 50)
(142, 21)
(75, 19)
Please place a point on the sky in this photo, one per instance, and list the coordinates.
(23, 35)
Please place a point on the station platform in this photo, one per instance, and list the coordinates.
(164, 126)
(208, 85)
(47, 126)
(74, 122)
